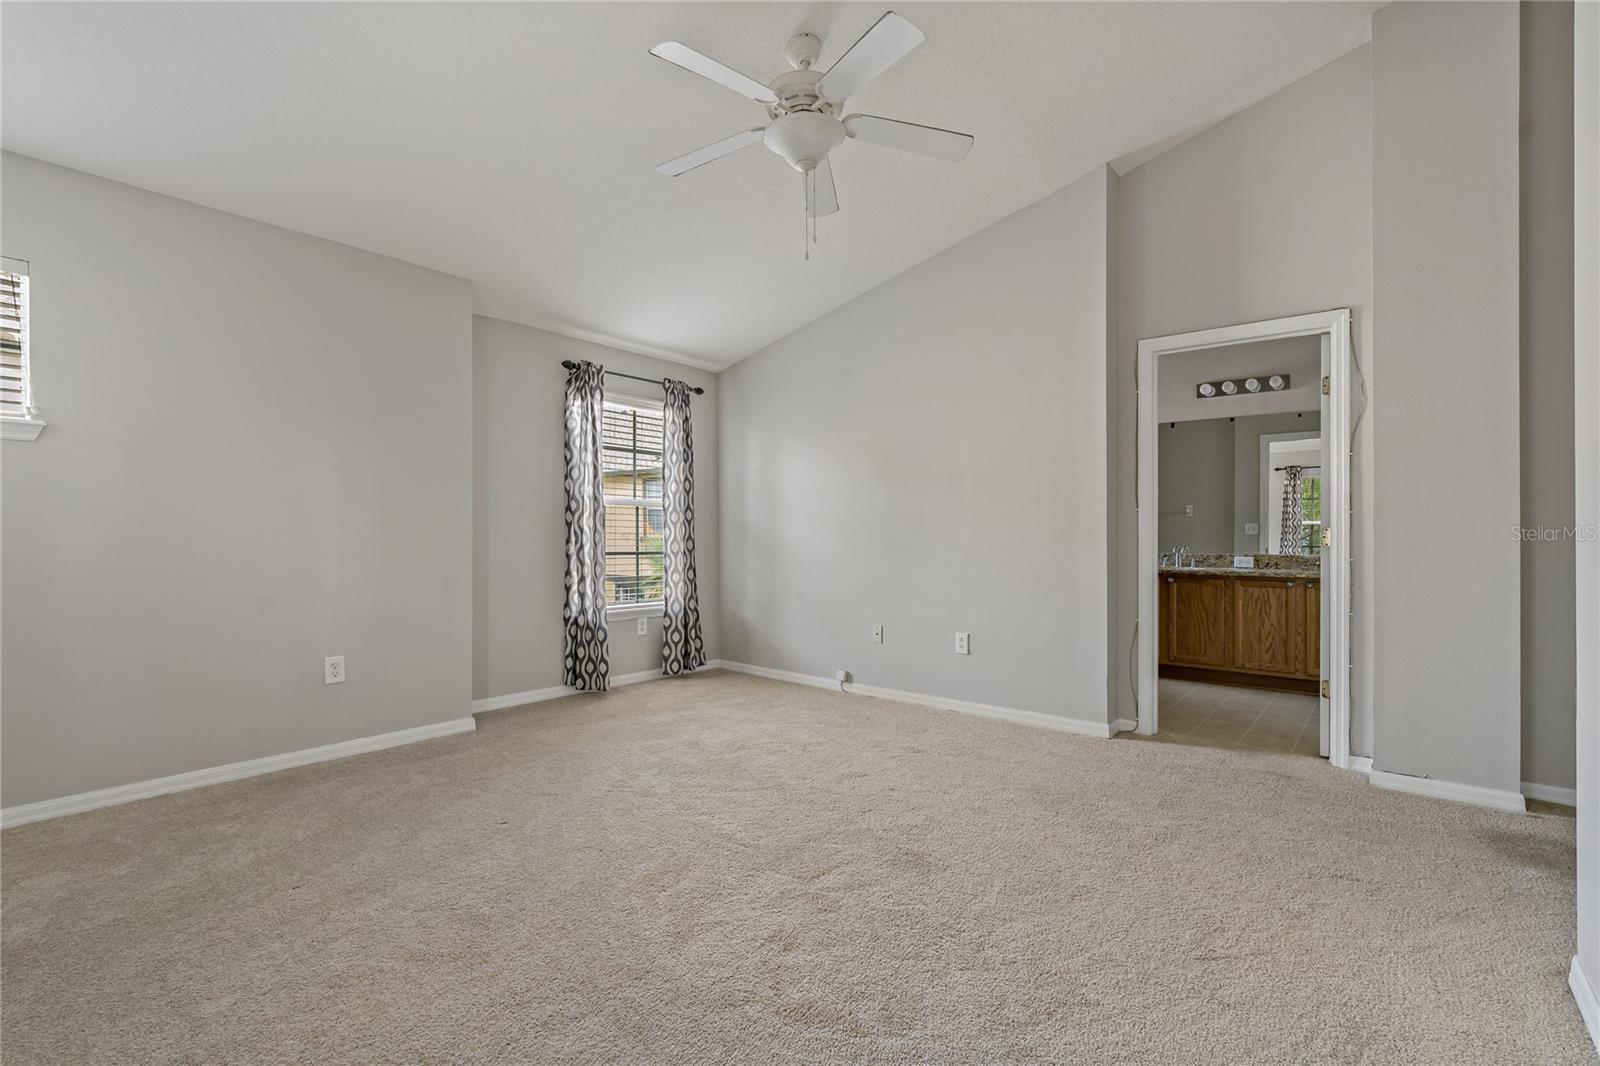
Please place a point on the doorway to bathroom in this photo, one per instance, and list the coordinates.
(1243, 516)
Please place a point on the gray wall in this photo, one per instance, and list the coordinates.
(1266, 214)
(1181, 372)
(931, 457)
(255, 457)
(1445, 247)
(1586, 404)
(1549, 640)
(1195, 461)
(519, 531)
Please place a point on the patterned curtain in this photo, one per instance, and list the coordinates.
(1291, 529)
(587, 662)
(682, 648)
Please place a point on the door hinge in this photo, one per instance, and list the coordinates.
(1325, 689)
(1326, 390)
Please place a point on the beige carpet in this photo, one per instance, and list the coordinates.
(725, 869)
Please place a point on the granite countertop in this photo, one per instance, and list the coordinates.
(1244, 571)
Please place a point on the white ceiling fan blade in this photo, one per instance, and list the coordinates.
(711, 152)
(909, 137)
(706, 67)
(827, 195)
(880, 48)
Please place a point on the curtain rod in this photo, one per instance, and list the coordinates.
(1314, 467)
(570, 365)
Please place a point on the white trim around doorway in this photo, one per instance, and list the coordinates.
(1335, 326)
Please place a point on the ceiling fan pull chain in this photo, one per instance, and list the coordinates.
(812, 176)
(808, 184)
(805, 233)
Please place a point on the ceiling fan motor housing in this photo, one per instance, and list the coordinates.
(796, 90)
(804, 138)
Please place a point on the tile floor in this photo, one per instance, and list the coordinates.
(1221, 716)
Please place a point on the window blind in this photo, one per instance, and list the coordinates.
(16, 400)
(631, 446)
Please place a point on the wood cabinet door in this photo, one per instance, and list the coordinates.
(1197, 612)
(1312, 628)
(1267, 613)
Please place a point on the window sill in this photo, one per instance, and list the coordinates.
(20, 428)
(634, 610)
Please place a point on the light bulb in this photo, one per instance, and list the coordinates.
(1252, 385)
(1229, 388)
(1208, 389)
(1277, 382)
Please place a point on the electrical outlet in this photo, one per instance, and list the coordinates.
(642, 627)
(1188, 510)
(963, 643)
(877, 634)
(841, 675)
(1252, 529)
(333, 670)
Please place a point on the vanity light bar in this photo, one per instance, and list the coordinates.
(1208, 390)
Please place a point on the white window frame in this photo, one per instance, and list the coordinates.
(651, 608)
(30, 425)
(1272, 509)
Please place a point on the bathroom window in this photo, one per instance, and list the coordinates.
(1311, 511)
(1280, 452)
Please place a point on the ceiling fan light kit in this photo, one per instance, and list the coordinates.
(803, 108)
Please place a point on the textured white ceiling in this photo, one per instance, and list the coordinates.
(513, 144)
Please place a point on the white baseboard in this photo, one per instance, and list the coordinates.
(1478, 796)
(1550, 793)
(1361, 764)
(1588, 1004)
(555, 692)
(1080, 726)
(1124, 725)
(781, 675)
(161, 786)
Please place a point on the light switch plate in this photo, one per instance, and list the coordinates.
(1188, 510)
(877, 634)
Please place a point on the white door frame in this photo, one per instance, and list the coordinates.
(1335, 325)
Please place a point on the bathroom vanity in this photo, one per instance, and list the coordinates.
(1258, 627)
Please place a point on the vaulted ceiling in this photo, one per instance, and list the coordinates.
(514, 144)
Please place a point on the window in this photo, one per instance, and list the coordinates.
(1311, 512)
(16, 390)
(631, 439)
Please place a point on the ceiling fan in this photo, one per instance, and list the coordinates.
(805, 107)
